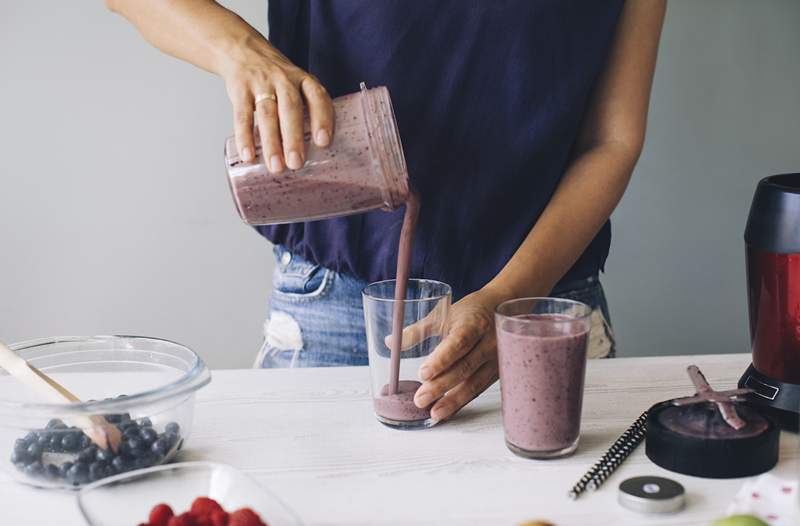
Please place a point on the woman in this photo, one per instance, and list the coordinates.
(522, 121)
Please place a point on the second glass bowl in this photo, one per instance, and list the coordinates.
(127, 499)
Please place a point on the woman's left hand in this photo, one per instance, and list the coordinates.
(464, 363)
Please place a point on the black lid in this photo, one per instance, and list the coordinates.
(774, 221)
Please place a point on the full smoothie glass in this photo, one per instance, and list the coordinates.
(362, 169)
(393, 383)
(541, 348)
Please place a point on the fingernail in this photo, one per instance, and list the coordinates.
(294, 161)
(275, 164)
(425, 373)
(323, 137)
(247, 154)
(423, 400)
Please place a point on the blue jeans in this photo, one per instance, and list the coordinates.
(316, 317)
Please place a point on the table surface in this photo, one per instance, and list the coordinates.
(311, 437)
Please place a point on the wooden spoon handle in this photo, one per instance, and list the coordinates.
(97, 428)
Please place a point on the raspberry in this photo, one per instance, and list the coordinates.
(200, 520)
(184, 519)
(160, 515)
(219, 518)
(204, 507)
(245, 517)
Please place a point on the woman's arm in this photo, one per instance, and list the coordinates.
(211, 37)
(465, 363)
(608, 148)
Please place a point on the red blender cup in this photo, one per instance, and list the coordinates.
(772, 239)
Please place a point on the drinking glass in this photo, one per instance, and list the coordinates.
(541, 347)
(425, 310)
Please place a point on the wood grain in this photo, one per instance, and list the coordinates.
(310, 436)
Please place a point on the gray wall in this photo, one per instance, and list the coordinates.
(115, 216)
(725, 112)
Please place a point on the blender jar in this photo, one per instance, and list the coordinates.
(362, 169)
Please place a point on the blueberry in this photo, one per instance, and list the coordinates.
(78, 473)
(55, 442)
(44, 439)
(135, 445)
(160, 446)
(131, 447)
(71, 441)
(112, 419)
(34, 451)
(171, 437)
(148, 435)
(173, 427)
(85, 441)
(56, 423)
(105, 455)
(62, 470)
(51, 471)
(31, 437)
(145, 422)
(97, 470)
(88, 454)
(124, 425)
(131, 432)
(21, 446)
(35, 468)
(120, 464)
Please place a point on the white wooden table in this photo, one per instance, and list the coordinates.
(311, 437)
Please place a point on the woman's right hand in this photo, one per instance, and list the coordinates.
(255, 69)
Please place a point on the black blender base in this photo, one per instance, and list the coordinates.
(780, 400)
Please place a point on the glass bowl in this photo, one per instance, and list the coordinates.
(127, 499)
(144, 386)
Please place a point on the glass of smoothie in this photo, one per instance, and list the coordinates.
(393, 382)
(541, 348)
(362, 169)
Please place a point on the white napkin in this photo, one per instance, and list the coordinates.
(772, 499)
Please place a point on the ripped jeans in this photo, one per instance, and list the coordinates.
(316, 316)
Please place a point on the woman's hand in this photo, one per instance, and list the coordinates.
(260, 79)
(464, 363)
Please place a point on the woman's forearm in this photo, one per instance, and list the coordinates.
(200, 32)
(610, 143)
(587, 195)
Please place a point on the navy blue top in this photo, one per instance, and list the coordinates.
(489, 96)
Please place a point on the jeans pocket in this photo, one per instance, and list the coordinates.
(602, 343)
(297, 279)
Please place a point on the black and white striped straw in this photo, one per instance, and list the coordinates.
(611, 459)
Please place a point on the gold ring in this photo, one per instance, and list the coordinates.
(261, 97)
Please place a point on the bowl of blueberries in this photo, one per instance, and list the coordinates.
(145, 387)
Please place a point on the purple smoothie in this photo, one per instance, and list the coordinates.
(400, 406)
(541, 381)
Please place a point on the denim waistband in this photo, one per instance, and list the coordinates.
(575, 284)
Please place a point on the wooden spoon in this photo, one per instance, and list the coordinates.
(97, 428)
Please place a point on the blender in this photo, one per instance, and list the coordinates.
(772, 239)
